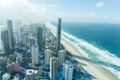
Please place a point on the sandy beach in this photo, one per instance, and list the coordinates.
(98, 72)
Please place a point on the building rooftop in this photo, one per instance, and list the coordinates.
(6, 75)
(31, 72)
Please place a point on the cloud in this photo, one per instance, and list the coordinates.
(24, 9)
(9, 3)
(107, 17)
(92, 14)
(99, 4)
(83, 16)
(118, 18)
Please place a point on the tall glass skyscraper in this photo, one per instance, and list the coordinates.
(40, 38)
(5, 41)
(67, 71)
(10, 34)
(59, 34)
(53, 67)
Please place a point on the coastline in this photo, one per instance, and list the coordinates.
(98, 72)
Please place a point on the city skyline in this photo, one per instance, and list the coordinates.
(68, 62)
(99, 11)
(59, 40)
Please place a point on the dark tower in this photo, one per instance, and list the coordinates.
(40, 38)
(10, 34)
(59, 34)
(4, 38)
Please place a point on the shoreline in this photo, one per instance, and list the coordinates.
(95, 70)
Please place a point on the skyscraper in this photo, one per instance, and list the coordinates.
(32, 42)
(19, 59)
(58, 34)
(48, 54)
(67, 71)
(40, 38)
(53, 67)
(10, 34)
(16, 37)
(5, 41)
(61, 56)
(35, 54)
(30, 74)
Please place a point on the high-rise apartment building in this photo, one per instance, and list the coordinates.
(5, 41)
(61, 56)
(48, 55)
(35, 54)
(10, 34)
(67, 71)
(53, 67)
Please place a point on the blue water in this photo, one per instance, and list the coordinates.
(105, 36)
(100, 42)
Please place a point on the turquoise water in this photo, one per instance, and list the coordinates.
(100, 42)
(105, 36)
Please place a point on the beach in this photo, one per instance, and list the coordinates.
(98, 72)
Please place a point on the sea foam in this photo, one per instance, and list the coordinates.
(103, 57)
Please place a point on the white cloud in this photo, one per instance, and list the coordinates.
(107, 17)
(23, 9)
(9, 3)
(92, 14)
(83, 16)
(99, 4)
(118, 18)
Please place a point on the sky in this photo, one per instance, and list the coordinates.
(105, 11)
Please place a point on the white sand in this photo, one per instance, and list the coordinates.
(95, 70)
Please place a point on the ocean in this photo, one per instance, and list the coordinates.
(104, 36)
(98, 41)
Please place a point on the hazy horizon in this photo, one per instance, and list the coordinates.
(98, 11)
